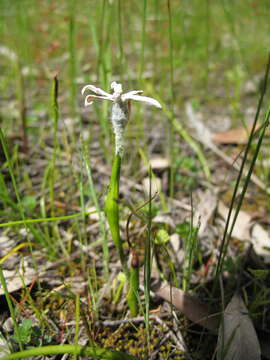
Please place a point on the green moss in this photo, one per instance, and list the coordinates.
(132, 340)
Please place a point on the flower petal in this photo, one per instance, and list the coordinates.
(117, 87)
(145, 99)
(92, 97)
(95, 90)
(127, 95)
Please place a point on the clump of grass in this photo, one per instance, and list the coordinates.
(231, 220)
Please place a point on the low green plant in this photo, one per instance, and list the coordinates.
(30, 335)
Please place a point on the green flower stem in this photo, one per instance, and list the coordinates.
(93, 352)
(134, 282)
(112, 213)
(112, 210)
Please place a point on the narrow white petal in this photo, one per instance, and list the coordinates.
(89, 98)
(127, 95)
(145, 99)
(86, 102)
(95, 90)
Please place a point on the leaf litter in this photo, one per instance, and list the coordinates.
(237, 338)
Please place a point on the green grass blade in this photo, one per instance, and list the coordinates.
(112, 210)
(48, 219)
(100, 214)
(147, 263)
(226, 236)
(93, 352)
(144, 12)
(10, 306)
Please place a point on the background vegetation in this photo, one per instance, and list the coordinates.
(203, 59)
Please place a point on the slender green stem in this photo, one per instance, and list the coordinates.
(47, 219)
(55, 117)
(112, 210)
(190, 247)
(22, 105)
(184, 134)
(120, 36)
(100, 214)
(10, 306)
(15, 187)
(134, 282)
(227, 232)
(143, 38)
(94, 352)
(147, 263)
(171, 138)
(77, 321)
(11, 172)
(72, 57)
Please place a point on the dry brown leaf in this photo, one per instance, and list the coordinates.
(14, 279)
(204, 135)
(244, 229)
(190, 306)
(205, 210)
(237, 338)
(155, 185)
(159, 163)
(234, 136)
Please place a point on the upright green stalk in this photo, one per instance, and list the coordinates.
(143, 38)
(190, 247)
(102, 227)
(171, 127)
(72, 57)
(77, 321)
(147, 263)
(231, 222)
(22, 104)
(112, 209)
(120, 37)
(55, 117)
(10, 306)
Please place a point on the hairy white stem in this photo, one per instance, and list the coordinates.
(120, 115)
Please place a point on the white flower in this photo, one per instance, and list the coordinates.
(117, 95)
(120, 108)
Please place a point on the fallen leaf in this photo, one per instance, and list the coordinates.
(205, 210)
(245, 229)
(164, 218)
(237, 339)
(159, 163)
(190, 306)
(155, 185)
(234, 136)
(205, 137)
(14, 279)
